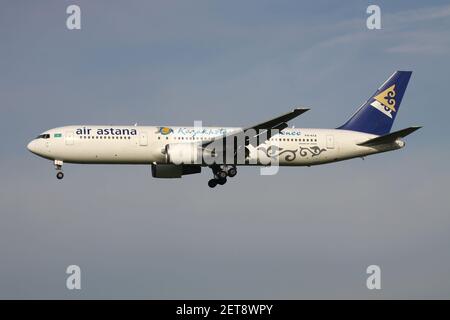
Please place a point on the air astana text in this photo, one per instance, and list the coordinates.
(107, 131)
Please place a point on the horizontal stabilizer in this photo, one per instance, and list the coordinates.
(389, 138)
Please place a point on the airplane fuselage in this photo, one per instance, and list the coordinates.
(146, 144)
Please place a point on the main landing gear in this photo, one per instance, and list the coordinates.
(220, 175)
(58, 167)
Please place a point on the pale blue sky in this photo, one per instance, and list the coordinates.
(304, 233)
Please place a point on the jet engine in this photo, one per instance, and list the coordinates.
(183, 153)
(173, 171)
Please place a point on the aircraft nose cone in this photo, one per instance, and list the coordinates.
(32, 146)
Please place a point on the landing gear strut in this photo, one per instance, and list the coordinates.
(220, 175)
(58, 167)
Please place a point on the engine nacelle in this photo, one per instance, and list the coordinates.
(183, 153)
(173, 171)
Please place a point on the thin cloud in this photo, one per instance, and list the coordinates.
(416, 41)
(424, 14)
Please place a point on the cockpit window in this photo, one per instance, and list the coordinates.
(43, 136)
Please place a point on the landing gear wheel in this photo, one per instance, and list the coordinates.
(60, 175)
(212, 183)
(221, 174)
(222, 181)
(232, 172)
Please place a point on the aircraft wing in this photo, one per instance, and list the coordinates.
(389, 138)
(273, 123)
(279, 123)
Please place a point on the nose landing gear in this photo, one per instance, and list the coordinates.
(58, 167)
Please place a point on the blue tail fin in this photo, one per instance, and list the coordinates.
(377, 114)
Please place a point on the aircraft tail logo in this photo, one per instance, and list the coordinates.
(377, 114)
(385, 101)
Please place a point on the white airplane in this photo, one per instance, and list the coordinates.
(176, 151)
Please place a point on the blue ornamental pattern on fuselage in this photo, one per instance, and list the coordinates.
(291, 155)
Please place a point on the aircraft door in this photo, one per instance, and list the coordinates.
(330, 142)
(69, 138)
(143, 138)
